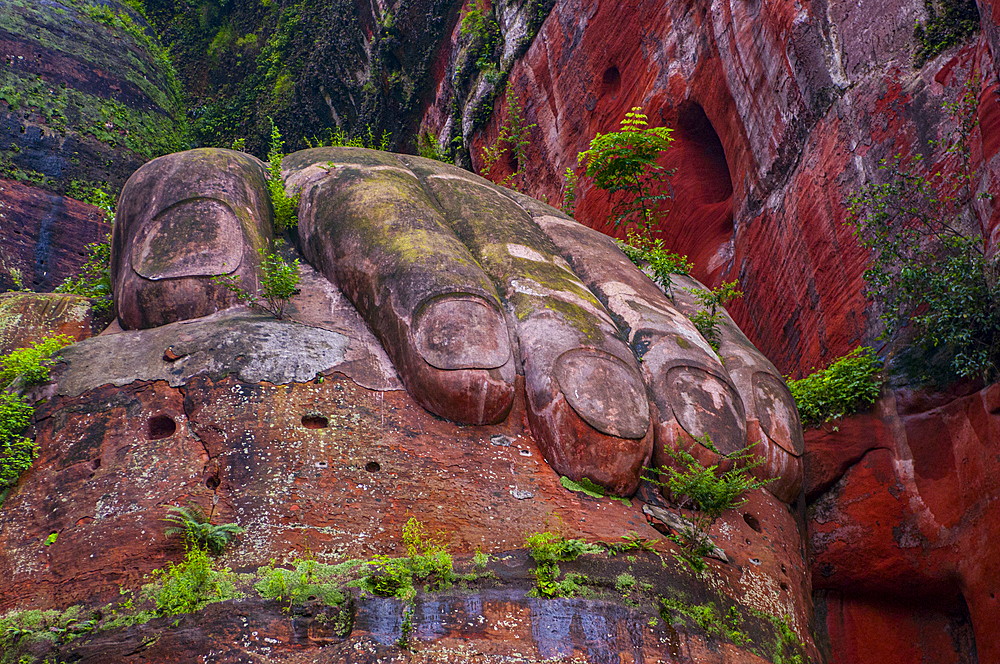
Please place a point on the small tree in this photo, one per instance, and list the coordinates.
(705, 494)
(929, 273)
(286, 207)
(708, 318)
(624, 162)
(279, 282)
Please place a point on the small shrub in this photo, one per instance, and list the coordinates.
(427, 147)
(190, 585)
(707, 319)
(285, 207)
(624, 162)
(643, 251)
(195, 526)
(513, 139)
(625, 583)
(570, 183)
(427, 561)
(94, 280)
(932, 277)
(365, 139)
(480, 560)
(705, 494)
(279, 282)
(32, 364)
(548, 549)
(847, 386)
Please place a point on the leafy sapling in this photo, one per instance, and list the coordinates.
(624, 163)
(278, 284)
(707, 320)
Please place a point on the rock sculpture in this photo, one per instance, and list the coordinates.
(471, 289)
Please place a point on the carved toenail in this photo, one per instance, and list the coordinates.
(604, 391)
(777, 413)
(704, 404)
(197, 237)
(461, 332)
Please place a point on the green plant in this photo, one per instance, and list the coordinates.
(931, 276)
(480, 560)
(189, 585)
(588, 487)
(365, 139)
(548, 549)
(949, 22)
(623, 163)
(512, 139)
(32, 364)
(279, 282)
(94, 280)
(629, 542)
(285, 207)
(705, 494)
(707, 319)
(643, 250)
(570, 183)
(848, 385)
(625, 583)
(481, 29)
(405, 627)
(427, 147)
(708, 618)
(427, 561)
(196, 527)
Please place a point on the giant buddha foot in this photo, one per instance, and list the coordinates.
(469, 287)
(455, 353)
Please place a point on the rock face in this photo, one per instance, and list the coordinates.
(909, 516)
(218, 411)
(87, 97)
(27, 317)
(779, 113)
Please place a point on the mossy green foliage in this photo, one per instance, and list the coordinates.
(848, 385)
(482, 34)
(33, 363)
(189, 585)
(278, 284)
(20, 630)
(624, 163)
(710, 316)
(705, 493)
(197, 529)
(340, 138)
(589, 488)
(135, 117)
(427, 562)
(428, 148)
(548, 549)
(949, 22)
(939, 291)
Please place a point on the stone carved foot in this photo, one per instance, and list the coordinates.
(469, 285)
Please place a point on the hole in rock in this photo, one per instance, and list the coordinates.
(161, 426)
(784, 586)
(752, 521)
(700, 219)
(373, 467)
(95, 464)
(611, 82)
(213, 482)
(315, 422)
(322, 464)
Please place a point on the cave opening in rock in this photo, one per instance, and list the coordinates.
(315, 422)
(611, 81)
(161, 426)
(700, 222)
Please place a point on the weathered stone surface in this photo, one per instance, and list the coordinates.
(345, 490)
(44, 235)
(915, 513)
(29, 317)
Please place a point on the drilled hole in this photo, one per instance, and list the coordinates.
(752, 521)
(315, 422)
(373, 467)
(161, 426)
